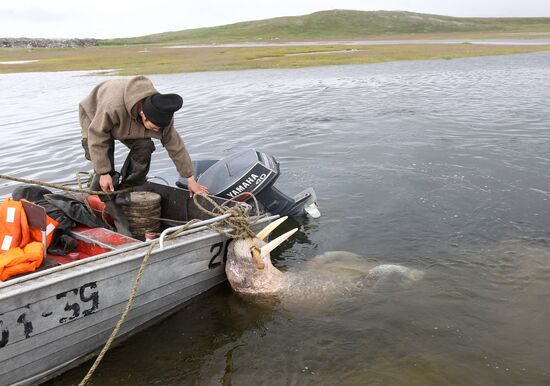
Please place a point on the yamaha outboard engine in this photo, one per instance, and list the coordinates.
(253, 172)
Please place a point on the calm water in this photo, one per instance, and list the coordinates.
(441, 166)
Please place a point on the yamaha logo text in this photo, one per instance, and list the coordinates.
(252, 180)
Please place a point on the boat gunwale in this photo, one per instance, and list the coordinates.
(122, 255)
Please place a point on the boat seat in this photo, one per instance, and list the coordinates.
(48, 263)
(36, 217)
(102, 237)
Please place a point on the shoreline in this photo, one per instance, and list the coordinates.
(164, 59)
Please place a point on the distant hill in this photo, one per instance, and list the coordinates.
(341, 24)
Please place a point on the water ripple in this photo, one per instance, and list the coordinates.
(440, 165)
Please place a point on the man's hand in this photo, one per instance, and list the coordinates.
(106, 183)
(195, 187)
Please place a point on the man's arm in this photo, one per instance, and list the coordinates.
(177, 151)
(99, 143)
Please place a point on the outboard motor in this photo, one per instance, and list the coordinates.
(253, 172)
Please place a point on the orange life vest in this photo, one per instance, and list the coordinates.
(21, 247)
(14, 228)
(21, 260)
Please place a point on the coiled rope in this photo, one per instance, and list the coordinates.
(240, 219)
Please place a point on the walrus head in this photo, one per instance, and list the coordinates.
(249, 269)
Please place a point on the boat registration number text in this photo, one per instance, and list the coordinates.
(25, 321)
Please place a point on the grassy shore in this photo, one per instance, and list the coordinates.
(152, 54)
(157, 59)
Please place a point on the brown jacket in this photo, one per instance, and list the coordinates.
(109, 113)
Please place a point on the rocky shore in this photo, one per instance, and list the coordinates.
(46, 43)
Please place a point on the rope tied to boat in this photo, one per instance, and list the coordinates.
(239, 220)
(63, 187)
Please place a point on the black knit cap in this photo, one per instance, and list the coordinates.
(160, 108)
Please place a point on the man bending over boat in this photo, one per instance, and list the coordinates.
(131, 111)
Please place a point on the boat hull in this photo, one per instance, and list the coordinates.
(50, 321)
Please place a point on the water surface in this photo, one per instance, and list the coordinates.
(441, 166)
(505, 42)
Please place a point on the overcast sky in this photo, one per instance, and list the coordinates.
(126, 18)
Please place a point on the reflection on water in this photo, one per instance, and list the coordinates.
(438, 166)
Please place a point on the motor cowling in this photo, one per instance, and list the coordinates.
(253, 172)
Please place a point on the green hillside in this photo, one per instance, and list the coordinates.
(341, 24)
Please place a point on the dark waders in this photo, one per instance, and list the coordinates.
(133, 173)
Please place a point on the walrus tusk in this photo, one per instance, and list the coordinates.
(275, 243)
(270, 227)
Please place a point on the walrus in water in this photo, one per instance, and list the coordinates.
(250, 271)
(248, 266)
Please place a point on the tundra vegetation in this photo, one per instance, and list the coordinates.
(155, 53)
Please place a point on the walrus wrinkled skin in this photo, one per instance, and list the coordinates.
(245, 276)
